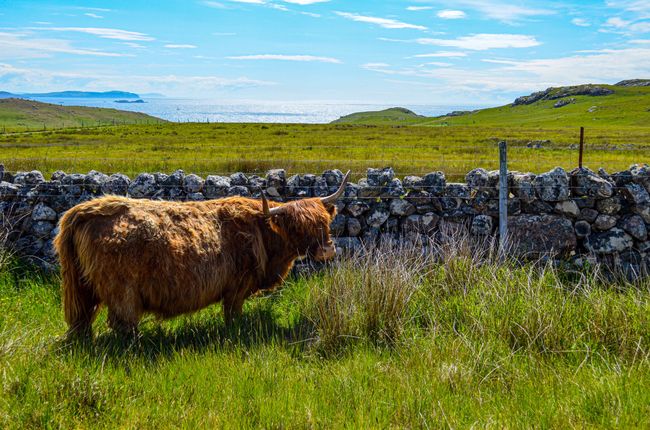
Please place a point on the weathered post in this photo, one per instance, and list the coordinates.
(503, 196)
(582, 144)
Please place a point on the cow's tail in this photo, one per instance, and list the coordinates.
(80, 302)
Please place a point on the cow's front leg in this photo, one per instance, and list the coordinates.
(232, 308)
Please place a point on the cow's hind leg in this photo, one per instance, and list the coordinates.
(124, 311)
(87, 305)
(232, 306)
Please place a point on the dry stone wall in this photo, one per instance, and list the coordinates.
(580, 216)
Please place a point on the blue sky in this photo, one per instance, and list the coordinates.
(391, 51)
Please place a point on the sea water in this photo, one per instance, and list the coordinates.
(205, 110)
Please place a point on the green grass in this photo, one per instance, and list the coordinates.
(20, 115)
(628, 106)
(457, 342)
(226, 148)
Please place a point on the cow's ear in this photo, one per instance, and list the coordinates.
(331, 209)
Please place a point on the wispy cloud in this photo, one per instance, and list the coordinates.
(281, 57)
(626, 26)
(105, 33)
(441, 54)
(482, 42)
(500, 10)
(18, 45)
(418, 8)
(382, 22)
(93, 15)
(179, 46)
(27, 79)
(306, 2)
(451, 14)
(580, 22)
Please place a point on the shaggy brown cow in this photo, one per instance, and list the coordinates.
(170, 258)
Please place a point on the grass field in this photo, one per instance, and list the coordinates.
(254, 148)
(459, 342)
(20, 115)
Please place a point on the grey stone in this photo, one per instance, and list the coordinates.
(609, 206)
(42, 212)
(393, 189)
(523, 187)
(29, 178)
(553, 186)
(609, 242)
(477, 178)
(239, 190)
(434, 183)
(541, 235)
(116, 184)
(193, 183)
(238, 179)
(295, 187)
(354, 227)
(568, 208)
(195, 197)
(257, 184)
(482, 225)
(94, 181)
(643, 246)
(380, 177)
(351, 191)
(636, 194)
(588, 215)
(641, 175)
(585, 202)
(8, 190)
(401, 207)
(347, 244)
(420, 223)
(357, 208)
(333, 178)
(587, 183)
(377, 216)
(42, 229)
(412, 182)
(320, 187)
(73, 184)
(215, 186)
(337, 226)
(582, 228)
(635, 227)
(144, 185)
(643, 211)
(161, 178)
(604, 222)
(276, 179)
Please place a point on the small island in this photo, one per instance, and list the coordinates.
(130, 101)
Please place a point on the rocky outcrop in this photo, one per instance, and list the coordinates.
(634, 83)
(563, 92)
(558, 213)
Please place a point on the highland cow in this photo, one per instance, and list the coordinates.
(171, 258)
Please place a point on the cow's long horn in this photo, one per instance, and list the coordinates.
(332, 198)
(265, 208)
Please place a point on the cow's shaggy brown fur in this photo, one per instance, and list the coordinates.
(170, 258)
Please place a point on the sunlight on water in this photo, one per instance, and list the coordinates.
(192, 110)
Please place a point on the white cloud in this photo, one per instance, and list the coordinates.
(280, 57)
(133, 45)
(305, 2)
(580, 22)
(451, 14)
(18, 45)
(382, 22)
(481, 42)
(628, 26)
(419, 8)
(93, 15)
(500, 10)
(22, 79)
(640, 41)
(93, 9)
(441, 54)
(179, 46)
(215, 4)
(105, 33)
(640, 7)
(248, 1)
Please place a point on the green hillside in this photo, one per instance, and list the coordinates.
(618, 106)
(20, 115)
(390, 116)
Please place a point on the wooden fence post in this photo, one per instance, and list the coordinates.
(503, 195)
(582, 144)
